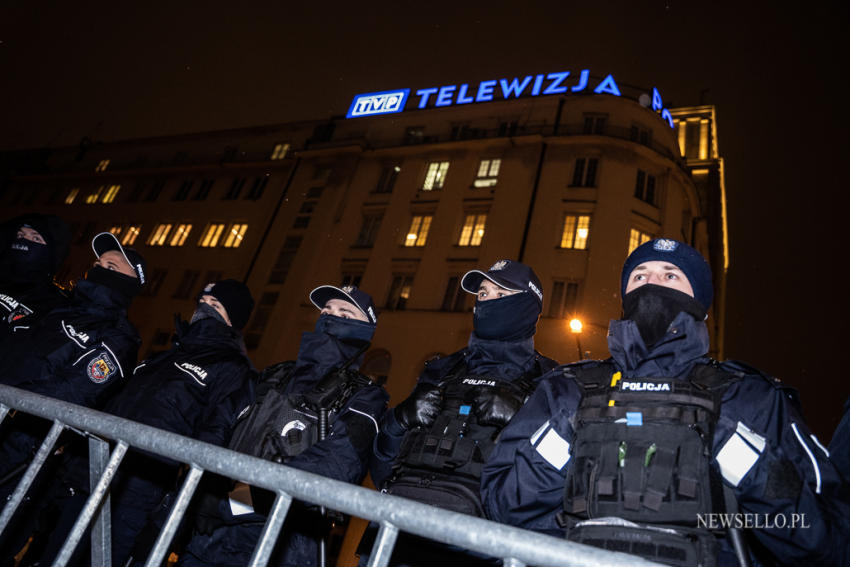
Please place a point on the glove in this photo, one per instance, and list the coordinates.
(421, 408)
(495, 405)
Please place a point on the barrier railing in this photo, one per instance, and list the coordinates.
(517, 547)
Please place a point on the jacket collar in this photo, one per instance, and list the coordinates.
(685, 344)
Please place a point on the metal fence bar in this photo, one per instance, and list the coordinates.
(263, 551)
(382, 550)
(476, 534)
(91, 506)
(101, 531)
(29, 476)
(512, 562)
(4, 411)
(163, 541)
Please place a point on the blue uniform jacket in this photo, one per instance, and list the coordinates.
(198, 388)
(760, 434)
(81, 353)
(504, 360)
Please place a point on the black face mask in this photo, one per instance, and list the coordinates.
(510, 318)
(127, 286)
(653, 308)
(206, 311)
(25, 261)
(346, 330)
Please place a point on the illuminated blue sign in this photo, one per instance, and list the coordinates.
(388, 102)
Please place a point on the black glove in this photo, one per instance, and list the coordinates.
(421, 408)
(495, 405)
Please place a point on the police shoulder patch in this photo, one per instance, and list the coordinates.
(101, 367)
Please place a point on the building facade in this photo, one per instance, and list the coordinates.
(401, 205)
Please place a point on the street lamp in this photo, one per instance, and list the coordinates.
(575, 328)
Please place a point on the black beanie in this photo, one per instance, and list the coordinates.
(236, 299)
(53, 229)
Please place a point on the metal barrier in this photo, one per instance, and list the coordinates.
(518, 547)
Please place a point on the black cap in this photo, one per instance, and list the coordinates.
(359, 298)
(507, 274)
(235, 297)
(106, 241)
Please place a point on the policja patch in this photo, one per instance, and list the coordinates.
(100, 368)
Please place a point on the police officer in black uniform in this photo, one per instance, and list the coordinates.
(648, 451)
(34, 246)
(283, 426)
(198, 389)
(432, 446)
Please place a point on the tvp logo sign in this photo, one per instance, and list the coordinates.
(370, 104)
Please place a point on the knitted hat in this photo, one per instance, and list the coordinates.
(691, 262)
(236, 299)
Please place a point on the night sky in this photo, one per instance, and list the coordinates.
(114, 71)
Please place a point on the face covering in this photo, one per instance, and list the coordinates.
(346, 330)
(653, 308)
(25, 260)
(509, 318)
(206, 311)
(127, 286)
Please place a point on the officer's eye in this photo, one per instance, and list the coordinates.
(672, 277)
(639, 277)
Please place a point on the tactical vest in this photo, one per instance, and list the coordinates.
(641, 454)
(280, 426)
(441, 465)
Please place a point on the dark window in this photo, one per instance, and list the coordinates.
(213, 276)
(203, 190)
(321, 172)
(351, 279)
(387, 180)
(155, 190)
(87, 233)
(284, 259)
(235, 188)
(414, 135)
(455, 297)
(155, 279)
(645, 187)
(257, 188)
(507, 128)
(183, 192)
(399, 292)
(594, 124)
(262, 313)
(136, 193)
(368, 230)
(314, 192)
(563, 302)
(180, 158)
(307, 207)
(229, 153)
(187, 284)
(301, 222)
(584, 173)
(640, 135)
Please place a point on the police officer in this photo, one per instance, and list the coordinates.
(839, 446)
(82, 352)
(462, 401)
(34, 246)
(283, 426)
(660, 436)
(198, 389)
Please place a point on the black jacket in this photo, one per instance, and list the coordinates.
(80, 353)
(198, 388)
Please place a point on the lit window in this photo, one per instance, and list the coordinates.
(279, 151)
(436, 175)
(178, 237)
(72, 194)
(576, 231)
(131, 234)
(636, 238)
(418, 233)
(116, 230)
(110, 194)
(159, 234)
(488, 172)
(211, 234)
(102, 165)
(234, 235)
(94, 195)
(473, 230)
